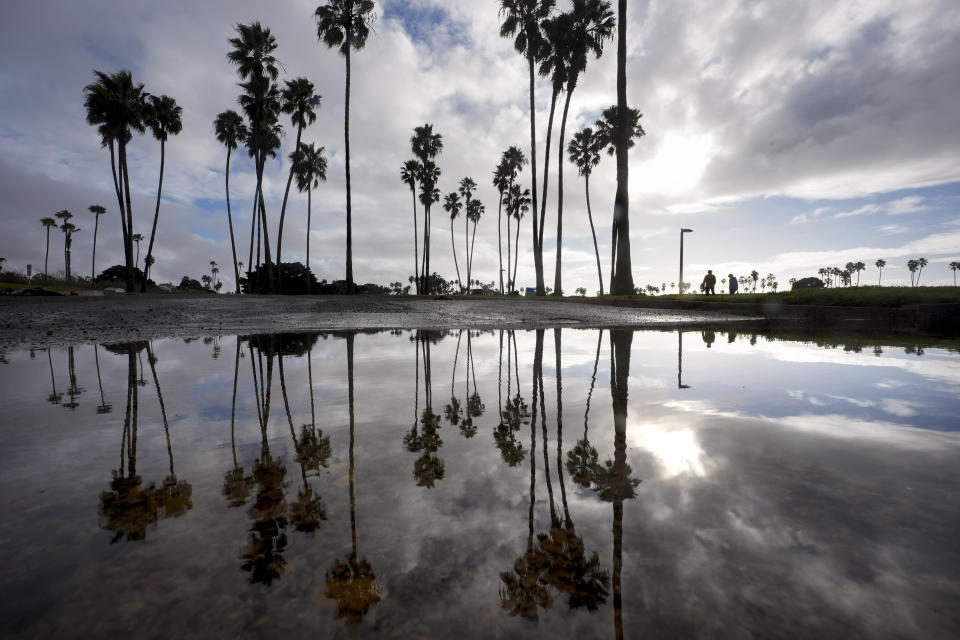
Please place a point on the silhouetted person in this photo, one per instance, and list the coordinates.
(734, 285)
(709, 282)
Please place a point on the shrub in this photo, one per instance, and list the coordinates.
(808, 283)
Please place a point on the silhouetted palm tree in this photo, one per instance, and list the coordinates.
(408, 174)
(582, 460)
(230, 132)
(257, 67)
(501, 181)
(426, 146)
(584, 152)
(137, 237)
(176, 495)
(953, 267)
(54, 397)
(520, 202)
(522, 21)
(162, 116)
(236, 484)
(310, 166)
(453, 206)
(466, 189)
(115, 105)
(300, 102)
(921, 262)
(48, 223)
(590, 24)
(104, 407)
(475, 211)
(912, 267)
(97, 211)
(880, 264)
(68, 229)
(345, 24)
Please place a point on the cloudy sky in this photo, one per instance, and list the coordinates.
(788, 135)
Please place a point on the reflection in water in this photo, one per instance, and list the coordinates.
(840, 477)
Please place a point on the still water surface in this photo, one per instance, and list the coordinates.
(593, 484)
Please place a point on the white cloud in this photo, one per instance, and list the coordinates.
(910, 204)
(800, 219)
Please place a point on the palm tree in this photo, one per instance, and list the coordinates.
(466, 189)
(68, 229)
(880, 264)
(2, 260)
(163, 117)
(520, 202)
(921, 262)
(345, 24)
(310, 166)
(953, 267)
(612, 128)
(115, 105)
(755, 277)
(475, 211)
(859, 266)
(252, 53)
(408, 174)
(299, 101)
(584, 152)
(453, 206)
(137, 238)
(426, 146)
(97, 211)
(522, 21)
(912, 266)
(591, 23)
(230, 131)
(48, 223)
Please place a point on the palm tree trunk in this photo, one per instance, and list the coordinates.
(622, 281)
(473, 243)
(93, 262)
(128, 245)
(309, 208)
(593, 232)
(557, 288)
(163, 410)
(416, 248)
(233, 242)
(455, 264)
(266, 231)
(537, 249)
(353, 516)
(509, 256)
(423, 257)
(466, 240)
(346, 139)
(546, 165)
(233, 404)
(516, 255)
(66, 254)
(156, 217)
(253, 241)
(116, 186)
(283, 213)
(46, 258)
(499, 239)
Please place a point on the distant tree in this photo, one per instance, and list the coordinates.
(501, 181)
(300, 102)
(230, 131)
(453, 206)
(880, 264)
(584, 152)
(345, 24)
(465, 189)
(426, 146)
(755, 277)
(475, 211)
(859, 266)
(118, 274)
(97, 211)
(48, 223)
(2, 260)
(953, 267)
(912, 267)
(297, 280)
(68, 229)
(408, 175)
(137, 237)
(162, 116)
(921, 262)
(311, 167)
(581, 291)
(206, 280)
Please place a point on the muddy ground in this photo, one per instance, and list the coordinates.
(56, 321)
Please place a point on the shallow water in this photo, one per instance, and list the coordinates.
(631, 484)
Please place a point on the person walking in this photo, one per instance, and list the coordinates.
(709, 282)
(734, 285)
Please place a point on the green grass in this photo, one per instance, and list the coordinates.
(13, 286)
(871, 296)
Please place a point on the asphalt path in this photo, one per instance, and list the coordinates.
(56, 321)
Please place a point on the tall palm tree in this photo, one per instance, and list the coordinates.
(300, 102)
(522, 20)
(466, 189)
(408, 174)
(921, 262)
(591, 24)
(513, 161)
(48, 223)
(501, 180)
(137, 237)
(584, 152)
(520, 202)
(953, 267)
(163, 117)
(115, 105)
(426, 146)
(912, 268)
(345, 24)
(880, 264)
(310, 166)
(97, 211)
(608, 128)
(68, 229)
(230, 131)
(859, 266)
(257, 67)
(621, 283)
(453, 206)
(475, 211)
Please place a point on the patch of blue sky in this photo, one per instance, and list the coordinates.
(426, 24)
(211, 204)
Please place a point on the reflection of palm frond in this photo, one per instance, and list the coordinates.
(522, 591)
(582, 463)
(236, 487)
(263, 557)
(353, 585)
(428, 469)
(612, 483)
(128, 509)
(584, 581)
(511, 451)
(175, 498)
(452, 411)
(307, 511)
(313, 448)
(475, 406)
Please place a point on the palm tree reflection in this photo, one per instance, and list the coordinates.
(74, 390)
(513, 414)
(424, 436)
(104, 407)
(54, 397)
(352, 582)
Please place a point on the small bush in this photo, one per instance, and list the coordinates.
(807, 283)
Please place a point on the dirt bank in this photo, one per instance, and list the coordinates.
(38, 322)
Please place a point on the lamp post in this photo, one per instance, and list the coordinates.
(682, 231)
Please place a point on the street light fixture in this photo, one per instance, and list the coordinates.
(682, 231)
